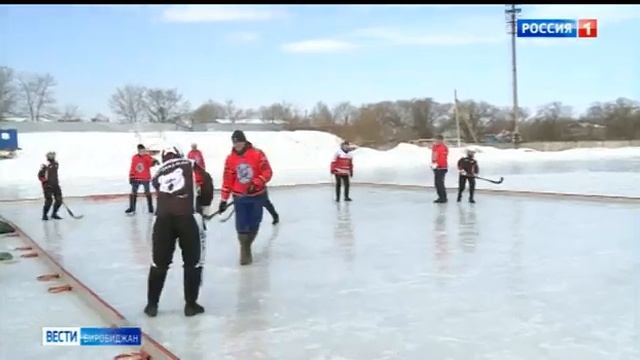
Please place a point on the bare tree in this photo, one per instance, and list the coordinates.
(232, 112)
(165, 105)
(37, 93)
(208, 112)
(71, 113)
(277, 111)
(344, 112)
(128, 103)
(321, 115)
(7, 92)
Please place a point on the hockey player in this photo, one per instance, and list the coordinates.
(342, 169)
(174, 182)
(48, 176)
(196, 155)
(246, 174)
(439, 154)
(140, 174)
(468, 169)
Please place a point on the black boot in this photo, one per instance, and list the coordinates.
(192, 281)
(132, 204)
(245, 249)
(154, 289)
(45, 211)
(472, 201)
(276, 219)
(56, 207)
(150, 203)
(459, 197)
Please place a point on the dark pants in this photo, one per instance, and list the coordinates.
(462, 180)
(166, 230)
(51, 193)
(439, 175)
(342, 179)
(134, 194)
(248, 212)
(269, 206)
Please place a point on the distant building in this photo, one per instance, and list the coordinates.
(99, 118)
(582, 130)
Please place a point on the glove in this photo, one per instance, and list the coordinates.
(222, 207)
(463, 173)
(206, 211)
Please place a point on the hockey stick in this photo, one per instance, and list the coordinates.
(209, 217)
(225, 219)
(491, 181)
(71, 212)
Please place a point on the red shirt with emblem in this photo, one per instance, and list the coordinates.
(244, 170)
(141, 167)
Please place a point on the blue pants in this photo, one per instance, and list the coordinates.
(248, 212)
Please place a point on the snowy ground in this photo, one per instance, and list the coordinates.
(388, 276)
(98, 163)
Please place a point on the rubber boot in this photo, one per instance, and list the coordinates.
(154, 289)
(56, 207)
(245, 249)
(192, 281)
(132, 204)
(150, 203)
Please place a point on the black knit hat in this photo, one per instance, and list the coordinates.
(238, 136)
(140, 147)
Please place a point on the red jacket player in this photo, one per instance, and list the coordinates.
(196, 155)
(439, 154)
(140, 174)
(246, 174)
(342, 169)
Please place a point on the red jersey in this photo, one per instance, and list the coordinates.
(342, 163)
(196, 156)
(250, 167)
(141, 167)
(439, 153)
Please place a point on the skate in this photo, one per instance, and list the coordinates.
(193, 309)
(276, 219)
(55, 216)
(472, 201)
(151, 310)
(45, 217)
(348, 199)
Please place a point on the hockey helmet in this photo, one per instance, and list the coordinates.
(170, 152)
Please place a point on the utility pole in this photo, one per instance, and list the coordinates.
(511, 14)
(455, 110)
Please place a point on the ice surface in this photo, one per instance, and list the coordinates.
(26, 307)
(389, 276)
(98, 163)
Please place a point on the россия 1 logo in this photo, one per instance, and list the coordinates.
(582, 28)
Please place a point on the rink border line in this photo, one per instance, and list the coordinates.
(548, 194)
(104, 309)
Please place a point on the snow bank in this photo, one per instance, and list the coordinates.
(98, 163)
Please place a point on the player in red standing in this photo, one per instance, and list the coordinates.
(246, 174)
(439, 154)
(342, 169)
(140, 174)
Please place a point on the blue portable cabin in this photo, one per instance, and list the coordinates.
(8, 143)
(9, 139)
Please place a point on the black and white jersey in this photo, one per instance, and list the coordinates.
(176, 187)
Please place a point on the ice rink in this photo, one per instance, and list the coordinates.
(389, 276)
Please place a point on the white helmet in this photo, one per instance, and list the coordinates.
(170, 152)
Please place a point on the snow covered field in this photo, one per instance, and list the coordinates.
(98, 163)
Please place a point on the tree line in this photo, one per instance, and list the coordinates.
(32, 96)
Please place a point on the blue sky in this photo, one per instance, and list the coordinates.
(257, 55)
